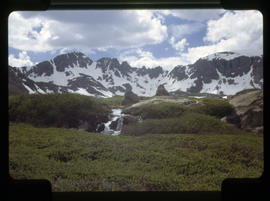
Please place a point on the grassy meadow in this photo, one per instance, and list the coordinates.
(182, 149)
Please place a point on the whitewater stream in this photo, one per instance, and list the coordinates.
(116, 115)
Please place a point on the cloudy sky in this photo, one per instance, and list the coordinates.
(141, 37)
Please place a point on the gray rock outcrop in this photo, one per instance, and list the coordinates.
(248, 106)
(161, 91)
(129, 119)
(130, 98)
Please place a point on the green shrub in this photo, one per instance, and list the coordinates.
(210, 106)
(114, 101)
(189, 122)
(60, 110)
(145, 97)
(158, 111)
(215, 107)
(75, 160)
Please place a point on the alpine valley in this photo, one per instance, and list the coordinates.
(223, 73)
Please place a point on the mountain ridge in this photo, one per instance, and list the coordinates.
(220, 73)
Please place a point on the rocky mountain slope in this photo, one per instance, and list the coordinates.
(221, 73)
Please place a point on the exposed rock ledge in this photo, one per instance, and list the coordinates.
(160, 99)
(248, 105)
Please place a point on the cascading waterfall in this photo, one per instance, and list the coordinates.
(116, 115)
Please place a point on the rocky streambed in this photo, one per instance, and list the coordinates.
(115, 123)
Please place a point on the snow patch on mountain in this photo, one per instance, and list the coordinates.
(83, 92)
(29, 89)
(56, 77)
(144, 85)
(221, 85)
(76, 73)
(105, 93)
(40, 90)
(183, 85)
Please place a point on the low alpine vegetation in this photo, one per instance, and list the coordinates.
(168, 117)
(215, 107)
(75, 160)
(189, 122)
(57, 110)
(158, 111)
(112, 102)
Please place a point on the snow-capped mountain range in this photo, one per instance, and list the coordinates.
(220, 73)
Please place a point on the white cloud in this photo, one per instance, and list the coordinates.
(181, 30)
(29, 34)
(140, 58)
(180, 45)
(22, 60)
(85, 29)
(195, 53)
(233, 23)
(198, 15)
(129, 31)
(239, 31)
